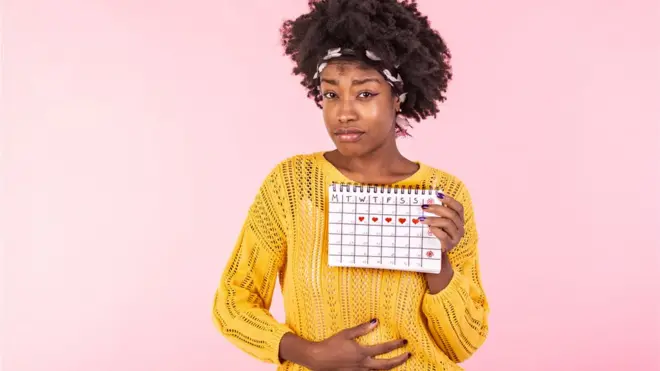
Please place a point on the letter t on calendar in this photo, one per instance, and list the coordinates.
(379, 227)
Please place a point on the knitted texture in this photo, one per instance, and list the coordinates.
(285, 236)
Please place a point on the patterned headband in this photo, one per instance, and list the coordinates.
(396, 82)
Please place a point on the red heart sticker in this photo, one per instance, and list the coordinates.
(388, 219)
(429, 253)
(430, 201)
(402, 220)
(361, 218)
(415, 221)
(374, 219)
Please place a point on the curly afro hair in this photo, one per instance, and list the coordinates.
(396, 31)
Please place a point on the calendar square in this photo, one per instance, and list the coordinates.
(431, 253)
(335, 208)
(334, 239)
(334, 249)
(402, 252)
(375, 209)
(402, 242)
(389, 231)
(403, 210)
(335, 218)
(347, 240)
(375, 240)
(347, 228)
(362, 250)
(415, 242)
(375, 260)
(347, 250)
(375, 251)
(348, 208)
(416, 253)
(389, 210)
(348, 218)
(335, 228)
(389, 241)
(375, 230)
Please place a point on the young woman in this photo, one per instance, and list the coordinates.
(370, 65)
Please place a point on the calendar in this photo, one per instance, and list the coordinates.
(379, 227)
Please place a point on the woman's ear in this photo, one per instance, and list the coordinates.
(397, 104)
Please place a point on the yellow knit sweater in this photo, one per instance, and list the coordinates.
(285, 234)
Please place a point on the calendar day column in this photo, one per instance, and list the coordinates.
(388, 252)
(349, 230)
(335, 229)
(403, 232)
(376, 221)
(362, 229)
(431, 252)
(416, 235)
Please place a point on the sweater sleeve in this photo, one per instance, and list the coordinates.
(458, 315)
(243, 298)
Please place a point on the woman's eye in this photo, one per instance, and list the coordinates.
(329, 95)
(366, 94)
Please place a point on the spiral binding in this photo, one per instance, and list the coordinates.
(384, 188)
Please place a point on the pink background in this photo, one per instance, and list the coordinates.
(137, 132)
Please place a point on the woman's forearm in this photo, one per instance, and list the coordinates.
(297, 350)
(438, 282)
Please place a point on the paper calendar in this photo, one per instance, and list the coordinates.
(379, 227)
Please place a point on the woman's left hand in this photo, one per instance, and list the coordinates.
(448, 225)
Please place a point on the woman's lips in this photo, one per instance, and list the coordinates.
(349, 135)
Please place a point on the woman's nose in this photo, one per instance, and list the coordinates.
(346, 111)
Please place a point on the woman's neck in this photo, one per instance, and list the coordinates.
(383, 165)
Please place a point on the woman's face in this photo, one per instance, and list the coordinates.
(358, 107)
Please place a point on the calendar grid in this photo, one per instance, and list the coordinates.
(383, 230)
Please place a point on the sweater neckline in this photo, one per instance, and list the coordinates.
(337, 175)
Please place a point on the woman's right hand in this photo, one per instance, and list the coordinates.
(342, 352)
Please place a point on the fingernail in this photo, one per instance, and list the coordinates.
(440, 195)
(425, 206)
(373, 321)
(409, 354)
(405, 341)
(421, 218)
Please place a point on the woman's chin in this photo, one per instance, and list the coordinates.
(352, 149)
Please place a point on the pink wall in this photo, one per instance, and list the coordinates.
(129, 126)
